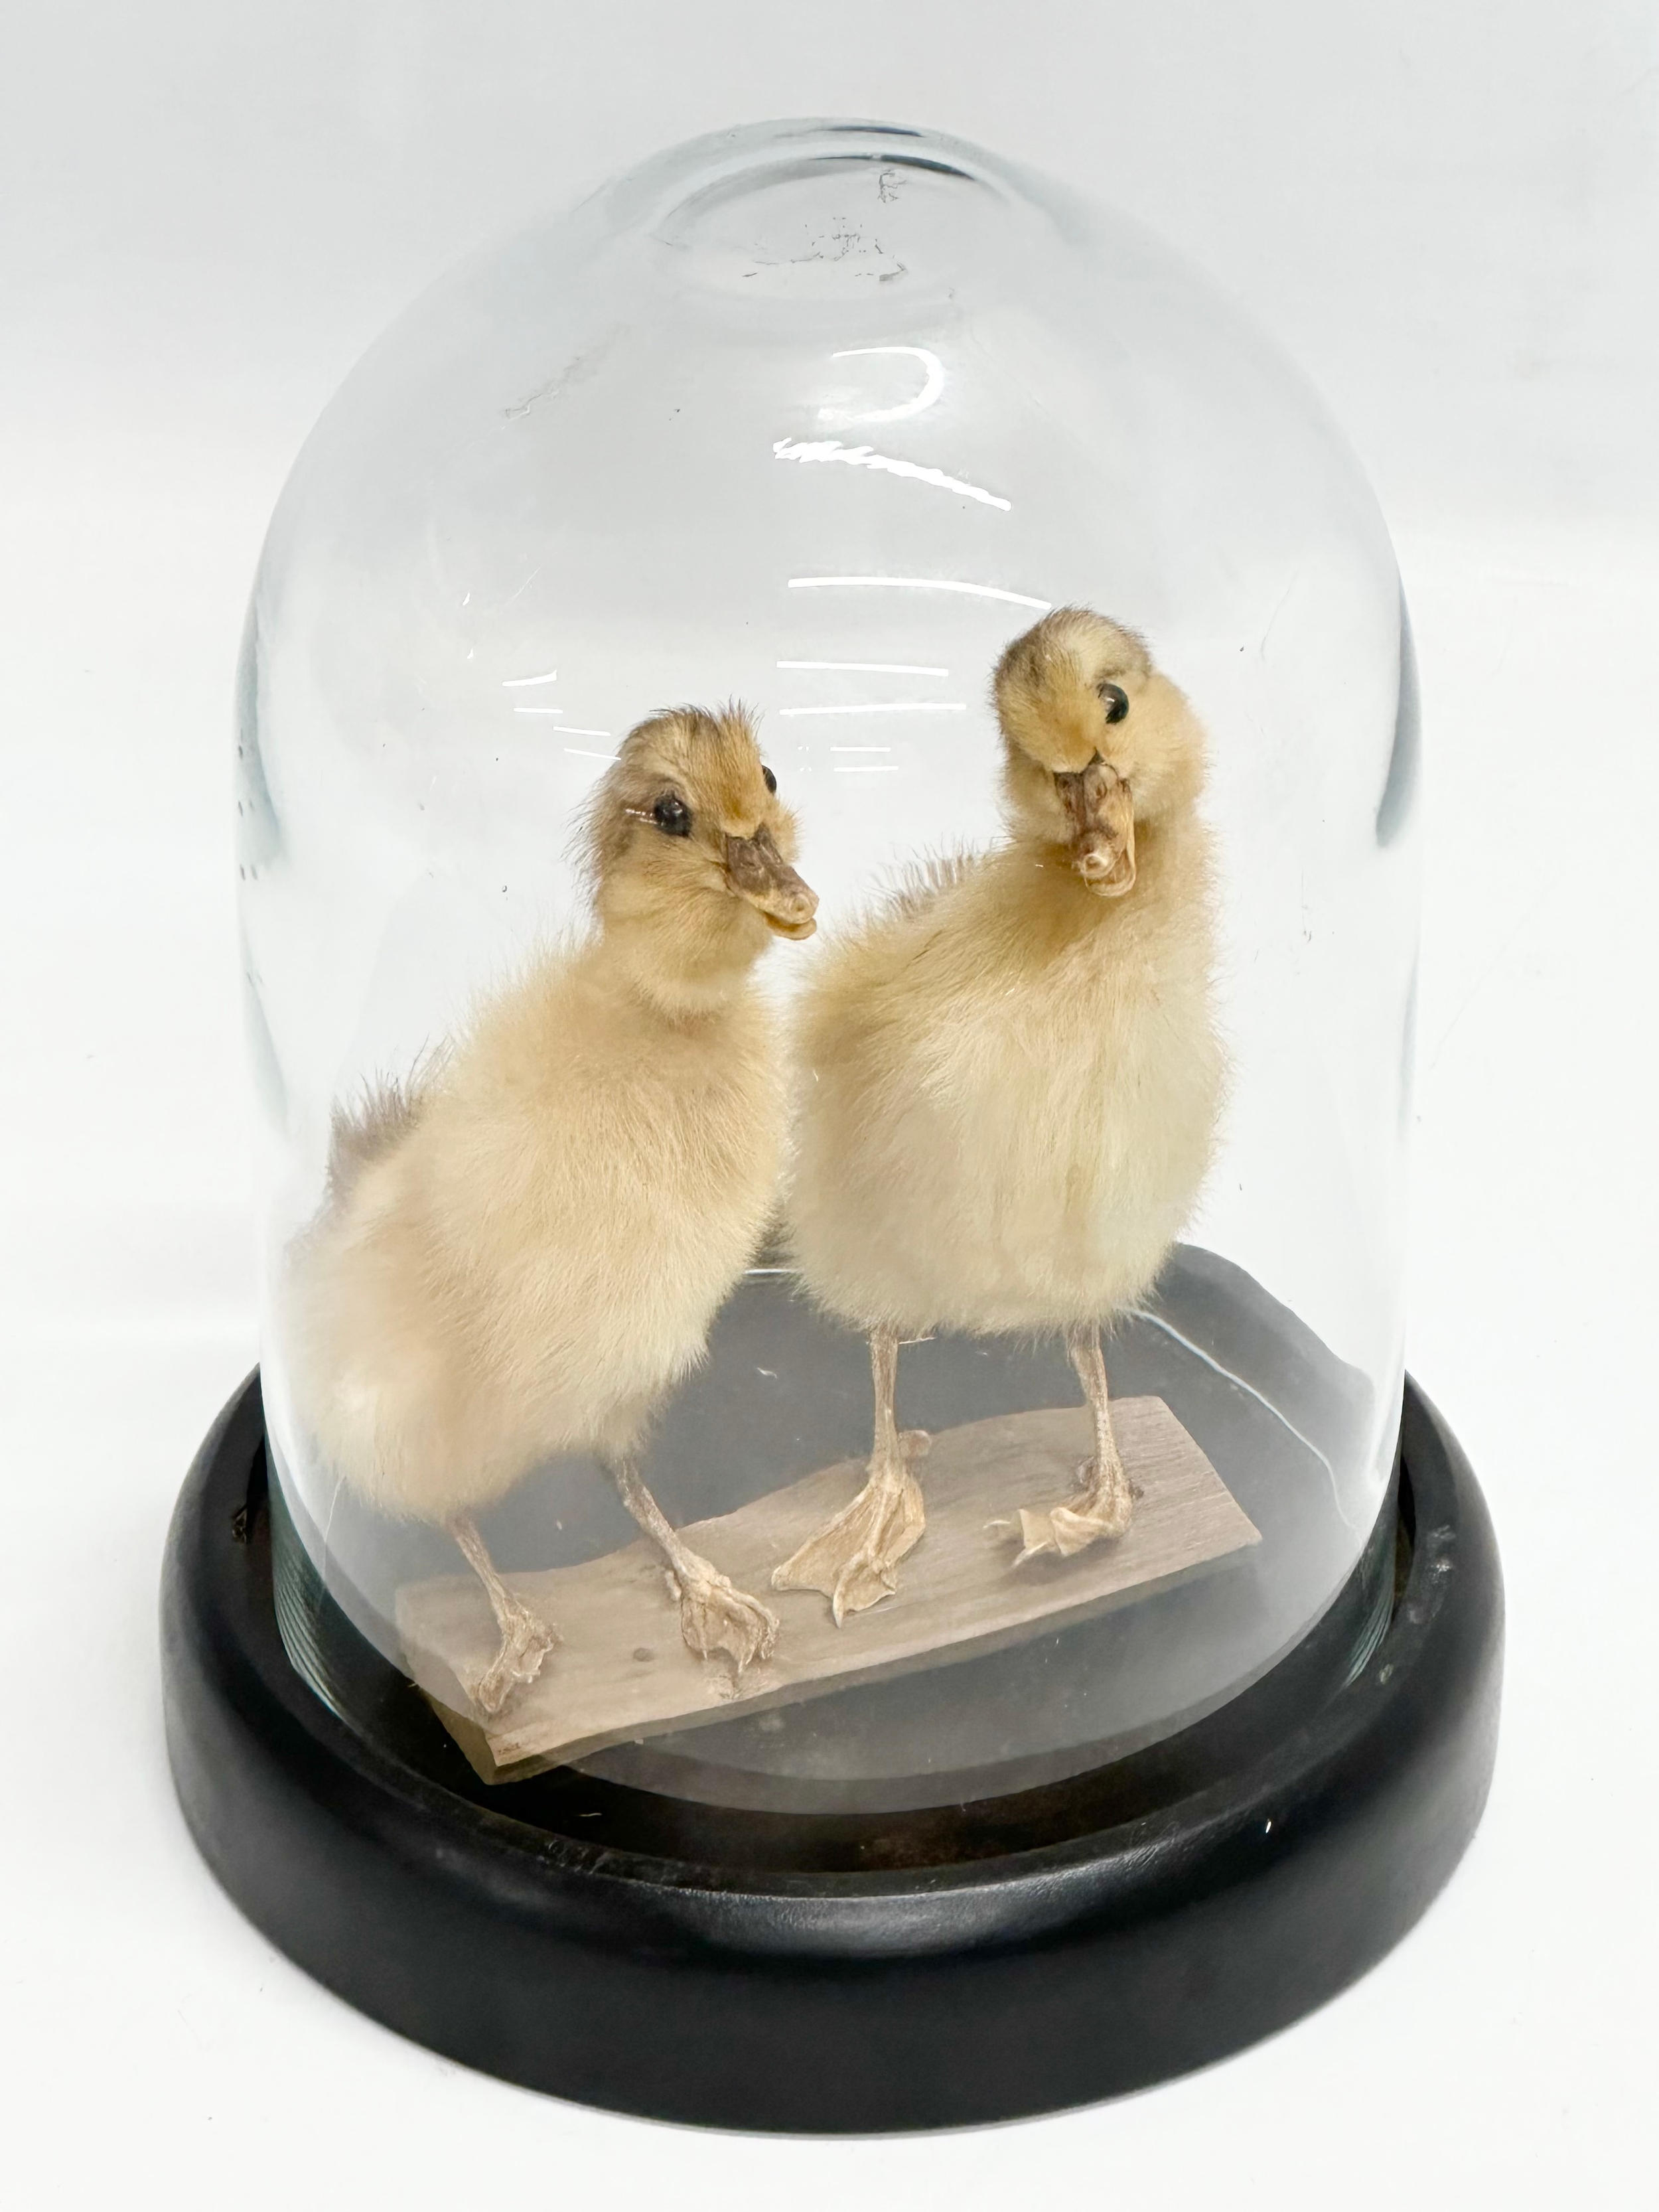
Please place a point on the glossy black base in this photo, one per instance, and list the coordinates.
(839, 1973)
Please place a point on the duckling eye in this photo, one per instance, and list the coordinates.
(771, 781)
(1115, 700)
(672, 816)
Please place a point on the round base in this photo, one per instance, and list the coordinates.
(977, 1963)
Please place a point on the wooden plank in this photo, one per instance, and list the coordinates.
(622, 1673)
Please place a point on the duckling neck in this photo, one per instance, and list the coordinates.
(680, 980)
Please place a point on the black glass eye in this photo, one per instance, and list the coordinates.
(1116, 701)
(771, 781)
(672, 816)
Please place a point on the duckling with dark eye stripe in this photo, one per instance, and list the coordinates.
(522, 1254)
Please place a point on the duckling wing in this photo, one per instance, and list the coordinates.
(922, 883)
(375, 1123)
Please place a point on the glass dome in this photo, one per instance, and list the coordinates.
(1062, 619)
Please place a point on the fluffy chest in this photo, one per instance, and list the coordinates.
(1078, 1051)
(699, 1128)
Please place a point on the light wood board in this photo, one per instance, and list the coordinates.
(622, 1672)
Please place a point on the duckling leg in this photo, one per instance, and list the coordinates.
(854, 1559)
(526, 1641)
(714, 1616)
(1105, 1498)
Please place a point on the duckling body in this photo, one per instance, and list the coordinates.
(535, 1258)
(523, 1254)
(1011, 1076)
(1013, 1084)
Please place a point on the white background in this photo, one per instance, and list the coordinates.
(1449, 211)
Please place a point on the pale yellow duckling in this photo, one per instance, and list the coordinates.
(523, 1254)
(1011, 1076)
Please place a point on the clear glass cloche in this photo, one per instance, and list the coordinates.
(826, 758)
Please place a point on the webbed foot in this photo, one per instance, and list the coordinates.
(525, 1641)
(1102, 1509)
(854, 1559)
(717, 1617)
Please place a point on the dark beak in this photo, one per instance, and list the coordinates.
(757, 871)
(1101, 809)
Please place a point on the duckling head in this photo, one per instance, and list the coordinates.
(1098, 744)
(691, 850)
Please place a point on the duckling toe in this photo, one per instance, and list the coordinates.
(718, 1618)
(1065, 1530)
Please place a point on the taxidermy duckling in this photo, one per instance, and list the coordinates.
(1011, 1076)
(521, 1254)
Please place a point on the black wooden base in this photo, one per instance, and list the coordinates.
(855, 1973)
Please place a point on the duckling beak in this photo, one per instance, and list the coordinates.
(1101, 809)
(757, 871)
